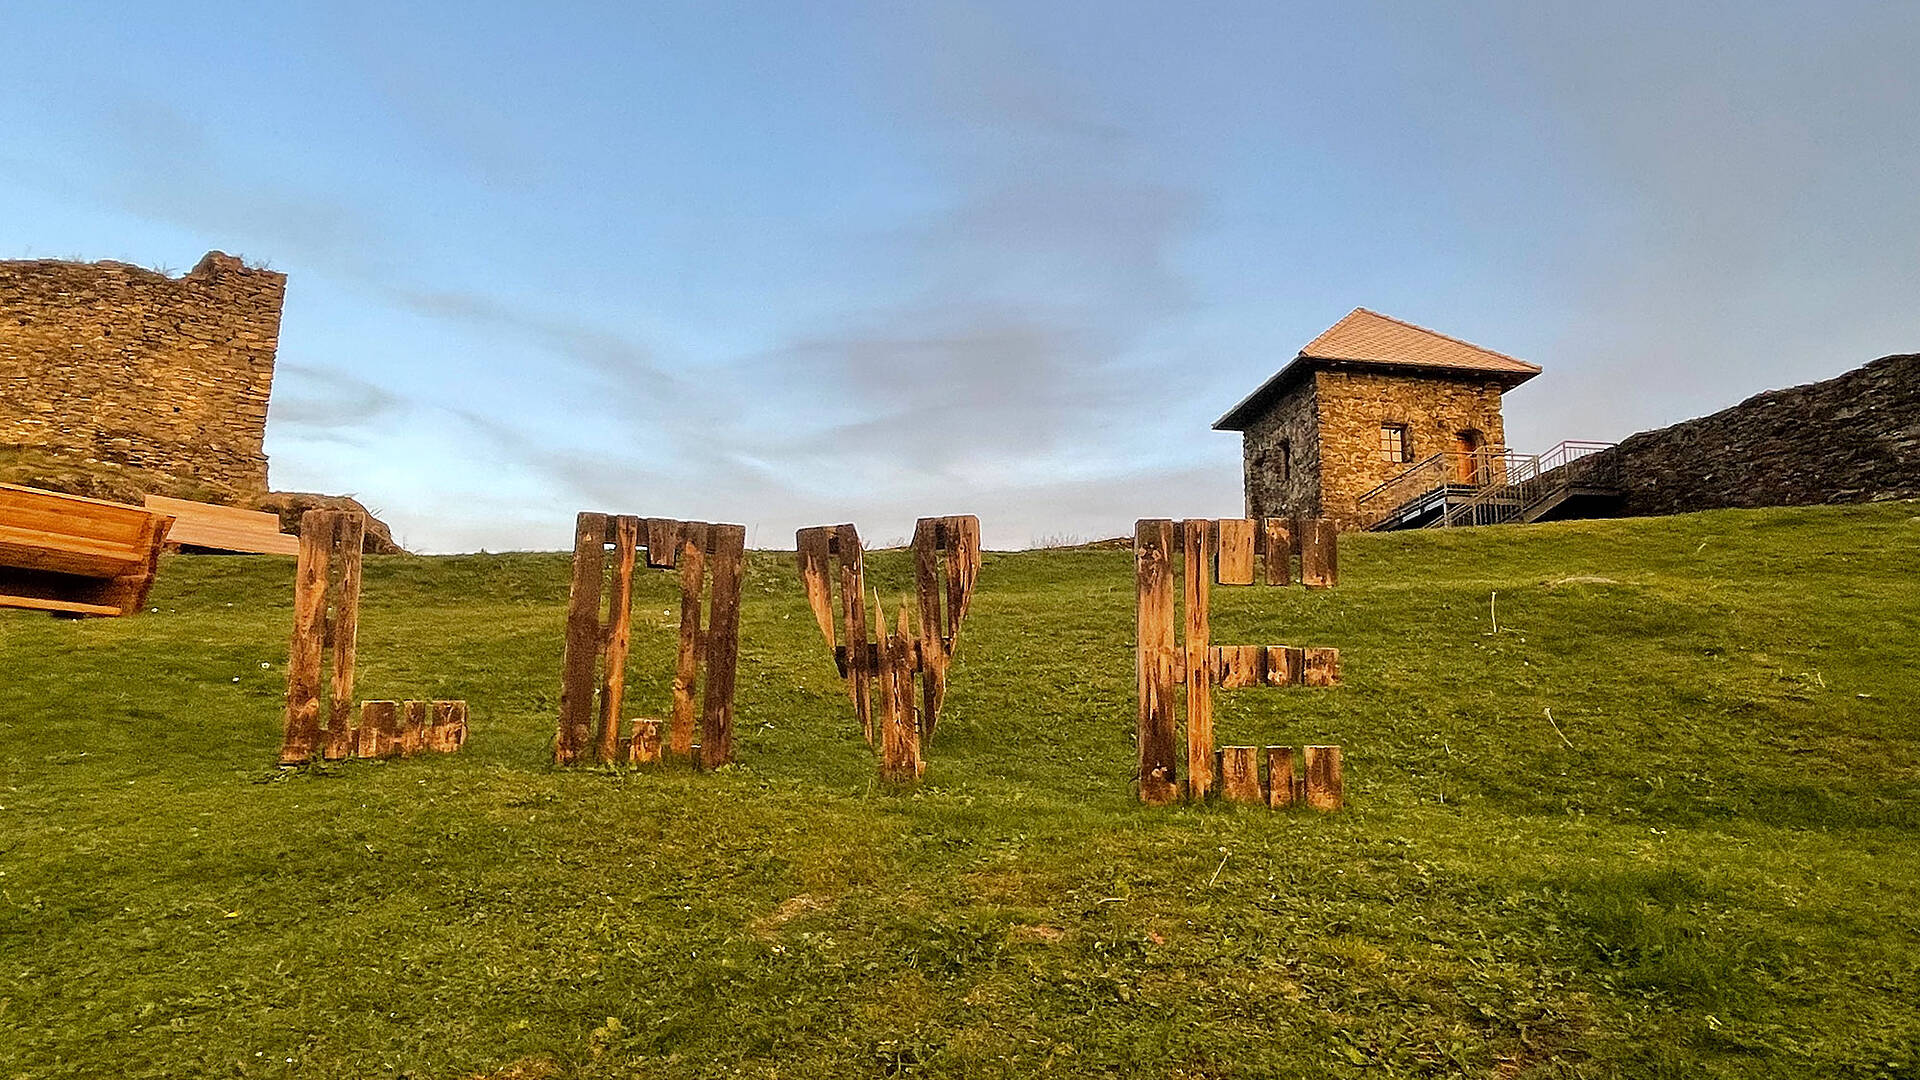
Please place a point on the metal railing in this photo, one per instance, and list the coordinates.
(1532, 479)
(1449, 468)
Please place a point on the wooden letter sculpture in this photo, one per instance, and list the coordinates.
(326, 619)
(708, 559)
(946, 563)
(1223, 550)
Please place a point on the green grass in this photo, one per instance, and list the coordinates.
(1720, 876)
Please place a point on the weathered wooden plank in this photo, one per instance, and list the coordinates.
(1236, 551)
(692, 564)
(662, 538)
(1279, 549)
(1279, 776)
(814, 550)
(584, 640)
(413, 727)
(963, 571)
(900, 761)
(853, 599)
(455, 736)
(435, 735)
(729, 545)
(304, 651)
(1238, 666)
(1319, 552)
(349, 536)
(1284, 665)
(1321, 667)
(1240, 774)
(928, 535)
(1154, 658)
(645, 742)
(1197, 542)
(619, 635)
(378, 719)
(1325, 788)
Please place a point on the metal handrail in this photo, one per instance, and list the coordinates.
(1532, 478)
(1480, 467)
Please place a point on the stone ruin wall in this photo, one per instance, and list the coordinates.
(1288, 431)
(1852, 438)
(1353, 404)
(107, 362)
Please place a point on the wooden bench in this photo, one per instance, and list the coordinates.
(75, 556)
(223, 528)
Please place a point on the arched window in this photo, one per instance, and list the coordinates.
(1286, 460)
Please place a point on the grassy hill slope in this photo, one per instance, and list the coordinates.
(1716, 871)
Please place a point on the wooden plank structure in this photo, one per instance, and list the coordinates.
(208, 527)
(326, 620)
(76, 557)
(708, 559)
(1223, 551)
(946, 567)
(403, 729)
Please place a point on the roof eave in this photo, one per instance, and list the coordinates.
(1239, 417)
(1236, 418)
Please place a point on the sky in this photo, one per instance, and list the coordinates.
(793, 264)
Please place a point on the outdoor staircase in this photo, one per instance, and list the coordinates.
(1572, 480)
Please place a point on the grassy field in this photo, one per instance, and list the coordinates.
(1715, 872)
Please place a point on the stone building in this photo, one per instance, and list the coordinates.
(111, 363)
(1360, 405)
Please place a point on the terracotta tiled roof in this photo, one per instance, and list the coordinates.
(1370, 339)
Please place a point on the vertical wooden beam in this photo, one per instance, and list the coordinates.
(729, 544)
(584, 640)
(692, 564)
(1154, 658)
(1236, 551)
(613, 677)
(814, 550)
(302, 728)
(349, 536)
(1279, 545)
(1240, 774)
(1319, 552)
(853, 599)
(900, 761)
(1197, 542)
(1321, 667)
(927, 536)
(1279, 776)
(963, 571)
(1325, 789)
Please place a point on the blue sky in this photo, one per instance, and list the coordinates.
(791, 264)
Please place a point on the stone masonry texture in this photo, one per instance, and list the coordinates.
(1852, 438)
(1332, 420)
(108, 362)
(1280, 452)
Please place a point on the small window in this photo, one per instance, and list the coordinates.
(1393, 443)
(1286, 460)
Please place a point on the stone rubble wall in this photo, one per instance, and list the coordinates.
(108, 362)
(1274, 488)
(1852, 438)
